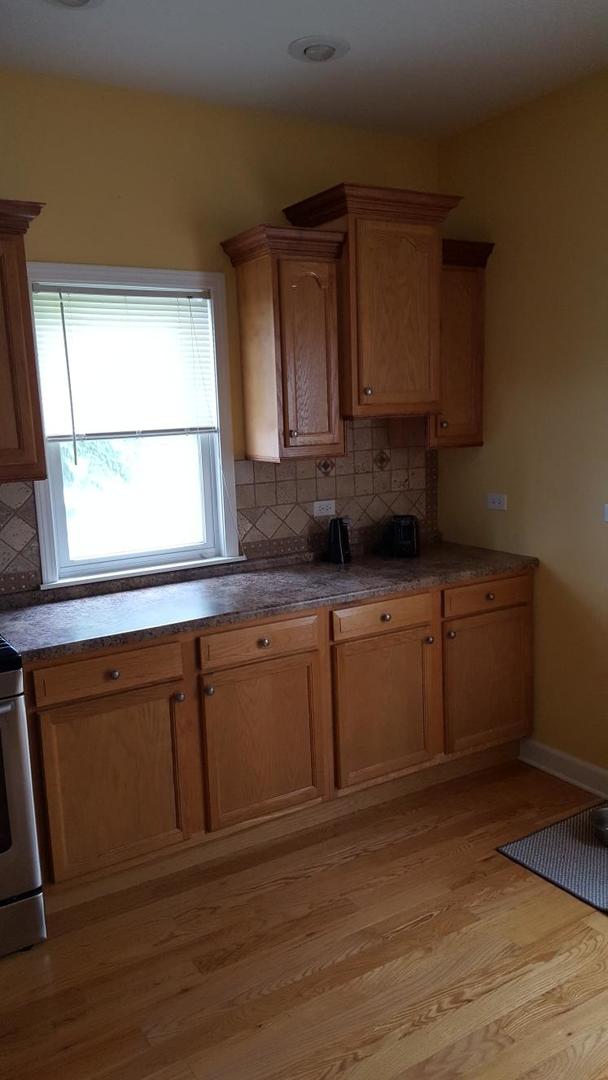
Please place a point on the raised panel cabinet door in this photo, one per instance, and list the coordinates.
(388, 711)
(488, 677)
(21, 443)
(397, 297)
(263, 731)
(462, 329)
(111, 771)
(309, 340)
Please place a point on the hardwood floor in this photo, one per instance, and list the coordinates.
(392, 944)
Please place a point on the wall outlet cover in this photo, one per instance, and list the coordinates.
(495, 501)
(324, 508)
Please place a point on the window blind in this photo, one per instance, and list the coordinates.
(124, 362)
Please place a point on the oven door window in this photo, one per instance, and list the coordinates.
(5, 824)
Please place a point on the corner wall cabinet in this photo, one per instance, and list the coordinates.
(21, 441)
(217, 730)
(390, 277)
(288, 313)
(459, 422)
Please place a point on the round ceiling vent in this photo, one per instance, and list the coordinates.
(317, 50)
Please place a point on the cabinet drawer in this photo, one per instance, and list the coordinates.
(259, 642)
(364, 619)
(469, 599)
(107, 674)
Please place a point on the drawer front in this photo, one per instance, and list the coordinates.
(107, 674)
(365, 619)
(484, 596)
(259, 642)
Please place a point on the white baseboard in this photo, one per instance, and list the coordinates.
(578, 772)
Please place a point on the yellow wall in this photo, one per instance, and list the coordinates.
(535, 181)
(140, 179)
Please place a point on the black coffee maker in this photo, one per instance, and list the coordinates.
(400, 539)
(338, 550)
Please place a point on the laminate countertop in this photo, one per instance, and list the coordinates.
(51, 630)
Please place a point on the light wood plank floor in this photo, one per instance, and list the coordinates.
(395, 943)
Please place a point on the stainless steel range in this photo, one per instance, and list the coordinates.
(21, 906)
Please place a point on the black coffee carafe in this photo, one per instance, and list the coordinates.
(338, 550)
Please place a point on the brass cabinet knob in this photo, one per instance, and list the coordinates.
(444, 424)
(115, 674)
(293, 433)
(386, 616)
(368, 391)
(429, 640)
(451, 634)
(180, 696)
(264, 643)
(490, 596)
(210, 691)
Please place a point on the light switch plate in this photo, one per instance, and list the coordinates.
(495, 501)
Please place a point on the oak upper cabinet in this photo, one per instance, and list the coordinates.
(459, 422)
(390, 278)
(21, 442)
(111, 767)
(488, 677)
(287, 295)
(264, 729)
(387, 704)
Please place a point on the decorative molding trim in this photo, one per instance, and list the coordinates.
(282, 241)
(576, 771)
(377, 202)
(16, 217)
(466, 253)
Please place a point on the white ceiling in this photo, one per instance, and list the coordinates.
(418, 66)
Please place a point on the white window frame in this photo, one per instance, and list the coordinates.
(220, 504)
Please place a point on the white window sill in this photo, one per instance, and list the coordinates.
(165, 568)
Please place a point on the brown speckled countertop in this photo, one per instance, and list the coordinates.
(58, 629)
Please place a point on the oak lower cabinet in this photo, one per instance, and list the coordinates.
(488, 677)
(111, 769)
(387, 704)
(264, 735)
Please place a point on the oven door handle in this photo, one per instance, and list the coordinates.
(6, 707)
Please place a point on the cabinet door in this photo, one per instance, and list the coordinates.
(462, 332)
(388, 707)
(309, 345)
(264, 730)
(487, 677)
(111, 778)
(21, 444)
(397, 298)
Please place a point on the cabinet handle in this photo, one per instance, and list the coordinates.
(386, 616)
(444, 424)
(293, 434)
(368, 391)
(451, 634)
(264, 643)
(210, 691)
(429, 640)
(115, 674)
(180, 696)
(490, 596)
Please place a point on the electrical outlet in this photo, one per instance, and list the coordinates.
(496, 502)
(324, 508)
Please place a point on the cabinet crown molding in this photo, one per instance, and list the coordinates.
(283, 241)
(466, 252)
(15, 216)
(398, 204)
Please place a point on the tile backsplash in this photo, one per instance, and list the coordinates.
(386, 470)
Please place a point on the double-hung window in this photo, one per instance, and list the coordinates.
(135, 401)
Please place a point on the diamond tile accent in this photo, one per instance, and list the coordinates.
(326, 466)
(268, 523)
(382, 460)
